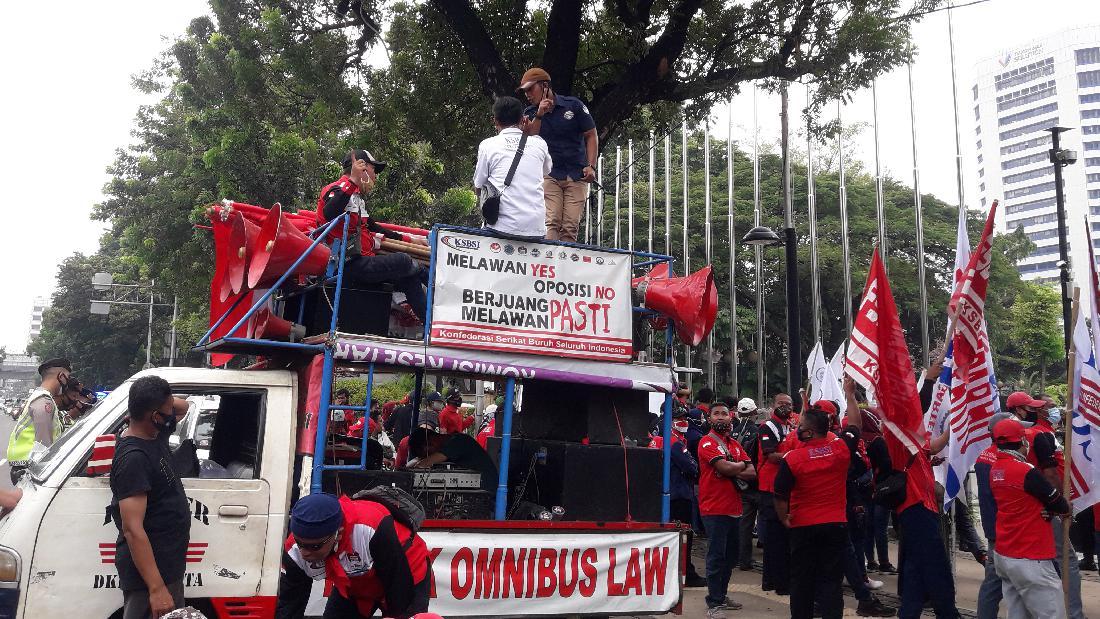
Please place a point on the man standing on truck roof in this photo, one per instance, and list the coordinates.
(451, 420)
(363, 266)
(40, 419)
(370, 557)
(148, 504)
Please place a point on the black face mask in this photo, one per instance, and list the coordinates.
(168, 426)
(721, 427)
(1032, 416)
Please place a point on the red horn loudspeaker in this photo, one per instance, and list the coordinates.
(222, 247)
(691, 302)
(242, 245)
(278, 245)
(271, 327)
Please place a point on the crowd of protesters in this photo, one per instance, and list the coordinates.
(812, 484)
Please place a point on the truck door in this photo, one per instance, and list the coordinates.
(73, 569)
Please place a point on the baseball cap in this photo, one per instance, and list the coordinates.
(434, 397)
(59, 362)
(366, 156)
(316, 516)
(995, 419)
(1021, 398)
(746, 405)
(532, 76)
(826, 405)
(1008, 431)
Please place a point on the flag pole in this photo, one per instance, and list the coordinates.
(880, 205)
(811, 206)
(842, 194)
(599, 201)
(919, 222)
(618, 177)
(668, 195)
(630, 195)
(706, 234)
(687, 228)
(1071, 359)
(734, 357)
(760, 381)
(652, 165)
(955, 109)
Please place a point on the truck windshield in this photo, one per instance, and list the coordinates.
(43, 463)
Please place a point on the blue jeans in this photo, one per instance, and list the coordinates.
(398, 269)
(721, 556)
(878, 521)
(925, 570)
(989, 593)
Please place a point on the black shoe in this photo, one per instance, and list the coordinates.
(695, 580)
(886, 568)
(747, 567)
(1088, 565)
(782, 592)
(874, 608)
(872, 566)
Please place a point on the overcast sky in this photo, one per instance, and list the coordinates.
(69, 105)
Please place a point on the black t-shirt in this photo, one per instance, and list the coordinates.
(145, 467)
(463, 450)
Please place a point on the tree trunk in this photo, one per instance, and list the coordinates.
(1042, 373)
(563, 40)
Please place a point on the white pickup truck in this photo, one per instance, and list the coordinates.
(57, 550)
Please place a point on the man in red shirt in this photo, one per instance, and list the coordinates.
(772, 443)
(1024, 547)
(362, 266)
(451, 421)
(811, 499)
(722, 463)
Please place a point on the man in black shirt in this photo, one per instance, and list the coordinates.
(148, 504)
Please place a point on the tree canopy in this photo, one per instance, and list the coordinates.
(259, 100)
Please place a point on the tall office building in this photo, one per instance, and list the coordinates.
(1018, 95)
(39, 308)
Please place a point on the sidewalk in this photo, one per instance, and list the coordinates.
(745, 588)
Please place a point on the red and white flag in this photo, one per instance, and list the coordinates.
(973, 388)
(878, 359)
(1084, 448)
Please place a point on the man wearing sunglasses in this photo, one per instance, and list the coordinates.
(371, 560)
(148, 504)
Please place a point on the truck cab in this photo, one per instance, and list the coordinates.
(57, 547)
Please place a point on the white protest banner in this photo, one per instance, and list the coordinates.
(514, 296)
(512, 572)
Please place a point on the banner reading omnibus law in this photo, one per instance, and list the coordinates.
(534, 298)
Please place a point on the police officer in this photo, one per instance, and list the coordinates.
(1024, 547)
(40, 419)
(369, 557)
(811, 500)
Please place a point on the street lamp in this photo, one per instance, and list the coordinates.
(103, 282)
(1061, 158)
(763, 236)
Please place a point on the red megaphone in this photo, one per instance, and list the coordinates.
(220, 285)
(277, 246)
(690, 302)
(242, 242)
(272, 327)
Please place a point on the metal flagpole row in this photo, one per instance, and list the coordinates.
(880, 205)
(706, 240)
(811, 208)
(599, 201)
(618, 178)
(668, 195)
(734, 355)
(919, 222)
(845, 249)
(760, 381)
(652, 165)
(630, 195)
(687, 251)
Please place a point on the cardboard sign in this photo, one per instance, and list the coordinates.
(534, 298)
(560, 573)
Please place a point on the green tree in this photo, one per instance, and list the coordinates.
(1036, 332)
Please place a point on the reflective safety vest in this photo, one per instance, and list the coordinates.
(21, 441)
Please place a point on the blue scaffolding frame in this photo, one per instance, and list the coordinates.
(335, 274)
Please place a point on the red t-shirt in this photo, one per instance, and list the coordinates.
(452, 422)
(401, 458)
(1022, 533)
(717, 494)
(813, 477)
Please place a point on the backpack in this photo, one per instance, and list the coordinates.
(402, 506)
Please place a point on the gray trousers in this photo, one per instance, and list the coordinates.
(1031, 588)
(1076, 609)
(135, 604)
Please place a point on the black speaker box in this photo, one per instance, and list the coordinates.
(589, 481)
(571, 412)
(364, 310)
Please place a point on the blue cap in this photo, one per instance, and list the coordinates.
(316, 516)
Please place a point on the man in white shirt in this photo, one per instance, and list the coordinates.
(522, 204)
